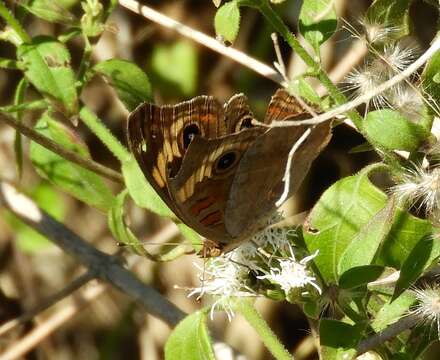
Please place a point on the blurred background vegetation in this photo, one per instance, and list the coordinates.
(111, 326)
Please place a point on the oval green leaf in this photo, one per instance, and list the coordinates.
(130, 82)
(227, 21)
(175, 68)
(360, 275)
(47, 67)
(83, 184)
(366, 243)
(422, 256)
(340, 214)
(317, 21)
(190, 340)
(141, 191)
(389, 130)
(50, 10)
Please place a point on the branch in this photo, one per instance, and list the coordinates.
(106, 267)
(50, 301)
(366, 97)
(61, 151)
(390, 332)
(203, 39)
(29, 341)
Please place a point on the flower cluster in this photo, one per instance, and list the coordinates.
(267, 262)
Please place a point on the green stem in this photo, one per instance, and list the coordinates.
(278, 24)
(247, 309)
(104, 134)
(20, 94)
(31, 105)
(85, 62)
(13, 23)
(9, 64)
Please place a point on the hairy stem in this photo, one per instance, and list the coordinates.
(247, 309)
(104, 134)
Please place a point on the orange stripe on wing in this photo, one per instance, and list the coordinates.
(202, 204)
(211, 219)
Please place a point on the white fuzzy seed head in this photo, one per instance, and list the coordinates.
(420, 186)
(376, 32)
(399, 56)
(365, 80)
(407, 100)
(428, 307)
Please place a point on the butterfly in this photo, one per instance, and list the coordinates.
(221, 174)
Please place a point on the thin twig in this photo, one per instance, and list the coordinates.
(389, 333)
(203, 39)
(281, 67)
(105, 266)
(366, 97)
(50, 301)
(61, 151)
(49, 325)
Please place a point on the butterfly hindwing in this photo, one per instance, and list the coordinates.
(261, 170)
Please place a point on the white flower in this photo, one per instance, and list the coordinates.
(224, 279)
(229, 275)
(291, 274)
(428, 307)
(420, 186)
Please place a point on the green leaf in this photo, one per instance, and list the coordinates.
(405, 233)
(430, 79)
(338, 339)
(390, 13)
(360, 275)
(302, 88)
(392, 311)
(366, 243)
(190, 340)
(337, 218)
(28, 240)
(227, 21)
(146, 197)
(391, 131)
(130, 82)
(119, 228)
(175, 67)
(47, 67)
(50, 10)
(422, 256)
(141, 191)
(75, 180)
(317, 21)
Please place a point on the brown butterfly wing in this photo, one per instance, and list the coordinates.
(201, 187)
(260, 173)
(159, 136)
